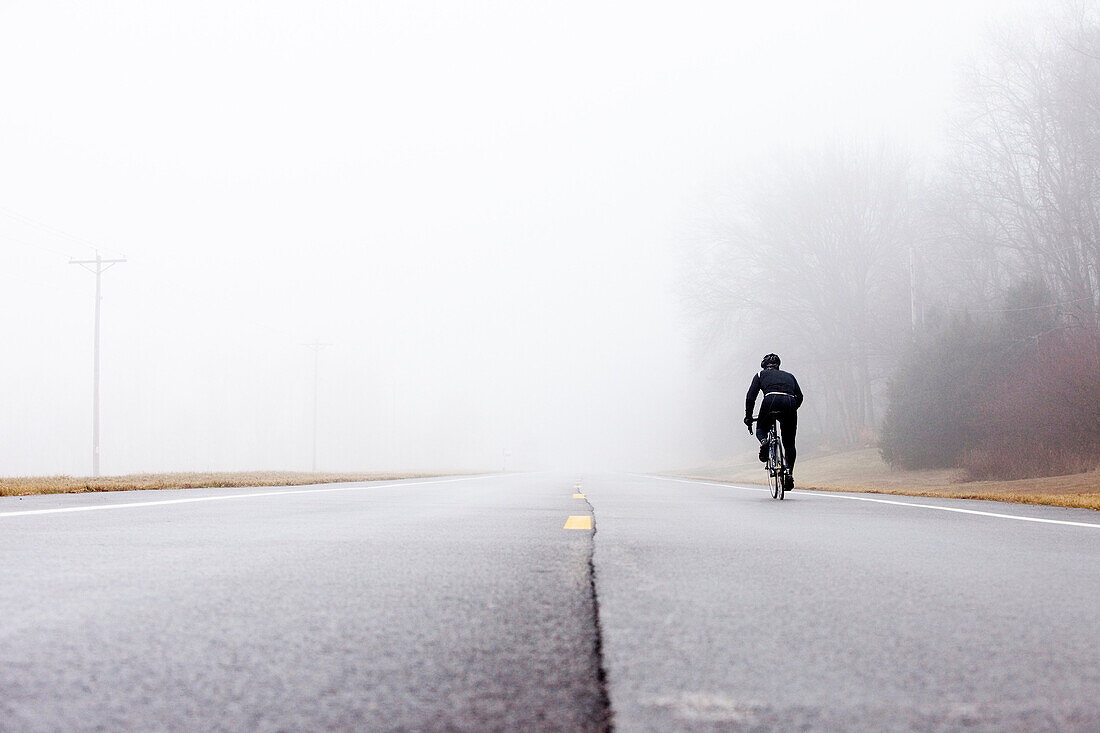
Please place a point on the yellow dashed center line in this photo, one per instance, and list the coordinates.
(578, 496)
(583, 521)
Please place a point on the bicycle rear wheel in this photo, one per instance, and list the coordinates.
(780, 470)
(775, 466)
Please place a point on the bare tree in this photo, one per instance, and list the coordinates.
(811, 261)
(1026, 180)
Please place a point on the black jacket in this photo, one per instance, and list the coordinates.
(772, 380)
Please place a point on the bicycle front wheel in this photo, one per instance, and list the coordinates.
(780, 471)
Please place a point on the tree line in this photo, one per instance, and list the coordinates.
(948, 310)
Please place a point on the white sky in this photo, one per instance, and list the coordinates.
(480, 205)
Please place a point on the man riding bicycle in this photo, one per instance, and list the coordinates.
(782, 398)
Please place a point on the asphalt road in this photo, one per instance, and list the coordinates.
(464, 604)
(425, 605)
(723, 609)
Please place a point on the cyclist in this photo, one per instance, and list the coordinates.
(782, 395)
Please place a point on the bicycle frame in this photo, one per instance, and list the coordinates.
(777, 462)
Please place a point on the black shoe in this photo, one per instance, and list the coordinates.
(788, 482)
(764, 452)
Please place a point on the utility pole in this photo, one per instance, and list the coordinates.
(316, 346)
(912, 292)
(100, 266)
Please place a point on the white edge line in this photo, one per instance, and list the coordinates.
(831, 495)
(254, 495)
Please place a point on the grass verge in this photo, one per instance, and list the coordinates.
(863, 471)
(28, 485)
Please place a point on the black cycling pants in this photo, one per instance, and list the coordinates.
(784, 406)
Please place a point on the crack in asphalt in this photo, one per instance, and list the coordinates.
(606, 714)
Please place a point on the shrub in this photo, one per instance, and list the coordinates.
(1043, 416)
(930, 419)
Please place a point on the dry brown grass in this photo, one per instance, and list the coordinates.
(25, 486)
(864, 471)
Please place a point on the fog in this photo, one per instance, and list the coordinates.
(487, 211)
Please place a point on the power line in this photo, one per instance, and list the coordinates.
(36, 246)
(24, 219)
(1017, 310)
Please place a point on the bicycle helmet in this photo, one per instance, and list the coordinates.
(771, 360)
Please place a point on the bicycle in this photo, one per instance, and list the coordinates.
(776, 465)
